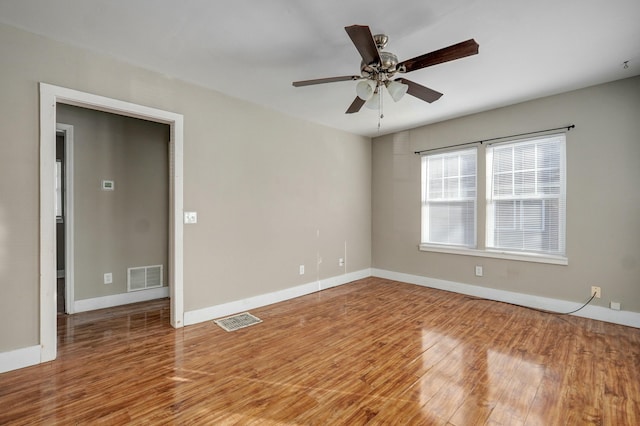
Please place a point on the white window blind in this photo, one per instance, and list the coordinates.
(526, 195)
(449, 198)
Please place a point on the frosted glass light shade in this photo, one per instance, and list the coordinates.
(365, 89)
(374, 102)
(397, 90)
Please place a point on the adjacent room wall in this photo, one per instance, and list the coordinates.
(271, 192)
(127, 227)
(603, 197)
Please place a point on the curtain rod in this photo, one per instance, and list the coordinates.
(569, 127)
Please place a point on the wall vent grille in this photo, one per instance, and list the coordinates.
(144, 277)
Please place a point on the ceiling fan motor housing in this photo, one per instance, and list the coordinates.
(387, 67)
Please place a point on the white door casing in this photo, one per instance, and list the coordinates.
(50, 95)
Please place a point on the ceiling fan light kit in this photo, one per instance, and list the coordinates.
(365, 89)
(379, 67)
(374, 101)
(396, 89)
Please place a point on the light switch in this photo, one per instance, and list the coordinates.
(190, 217)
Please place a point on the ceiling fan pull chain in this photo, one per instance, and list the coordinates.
(381, 116)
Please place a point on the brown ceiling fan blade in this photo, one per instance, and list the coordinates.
(363, 40)
(446, 54)
(419, 91)
(325, 80)
(355, 106)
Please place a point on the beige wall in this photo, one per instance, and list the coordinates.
(603, 197)
(271, 192)
(127, 227)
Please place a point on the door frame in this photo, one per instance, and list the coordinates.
(51, 95)
(69, 296)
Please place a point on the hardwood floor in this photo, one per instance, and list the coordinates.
(373, 351)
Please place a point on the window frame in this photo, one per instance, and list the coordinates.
(519, 198)
(425, 189)
(481, 248)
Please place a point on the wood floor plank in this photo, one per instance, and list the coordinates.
(371, 352)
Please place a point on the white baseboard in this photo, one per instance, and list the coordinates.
(344, 278)
(25, 357)
(19, 358)
(600, 313)
(120, 299)
(217, 311)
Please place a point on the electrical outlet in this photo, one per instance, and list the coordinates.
(615, 306)
(479, 271)
(595, 290)
(301, 269)
(108, 278)
(341, 262)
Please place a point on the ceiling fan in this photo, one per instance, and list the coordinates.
(378, 68)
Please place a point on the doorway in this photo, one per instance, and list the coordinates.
(121, 229)
(50, 96)
(61, 171)
(64, 219)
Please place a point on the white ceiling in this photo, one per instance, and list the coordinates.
(253, 50)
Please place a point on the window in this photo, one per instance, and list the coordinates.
(526, 196)
(449, 198)
(524, 200)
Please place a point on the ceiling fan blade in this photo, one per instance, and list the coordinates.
(325, 80)
(355, 106)
(363, 40)
(446, 54)
(419, 91)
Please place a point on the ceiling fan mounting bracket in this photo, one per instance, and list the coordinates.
(381, 41)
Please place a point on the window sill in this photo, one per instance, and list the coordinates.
(536, 258)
